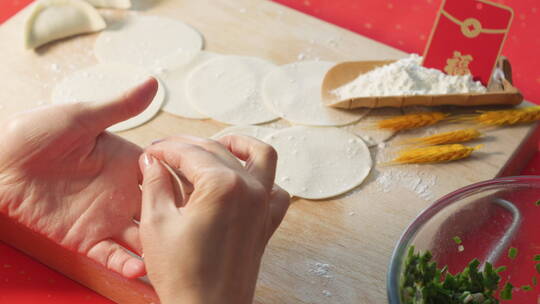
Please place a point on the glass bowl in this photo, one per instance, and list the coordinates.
(489, 217)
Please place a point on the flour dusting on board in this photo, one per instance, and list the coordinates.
(327, 293)
(417, 182)
(407, 77)
(321, 270)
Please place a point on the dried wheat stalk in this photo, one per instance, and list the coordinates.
(451, 137)
(434, 154)
(505, 117)
(411, 121)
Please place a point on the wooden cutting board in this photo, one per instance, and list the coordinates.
(333, 251)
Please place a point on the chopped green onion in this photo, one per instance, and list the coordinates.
(526, 287)
(500, 269)
(424, 282)
(512, 252)
(457, 240)
(537, 257)
(506, 292)
(538, 267)
(537, 203)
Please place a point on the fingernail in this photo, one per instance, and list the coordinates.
(157, 141)
(148, 160)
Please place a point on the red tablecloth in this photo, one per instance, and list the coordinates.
(404, 24)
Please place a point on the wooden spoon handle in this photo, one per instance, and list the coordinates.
(509, 96)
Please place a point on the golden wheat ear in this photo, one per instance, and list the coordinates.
(463, 117)
(502, 117)
(411, 121)
(434, 154)
(451, 137)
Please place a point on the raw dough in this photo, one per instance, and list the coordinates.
(51, 20)
(144, 40)
(260, 133)
(122, 4)
(319, 163)
(368, 131)
(175, 74)
(228, 89)
(294, 92)
(104, 82)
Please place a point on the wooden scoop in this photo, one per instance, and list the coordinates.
(500, 90)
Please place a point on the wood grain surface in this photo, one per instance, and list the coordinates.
(332, 251)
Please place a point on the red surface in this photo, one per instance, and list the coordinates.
(10, 7)
(25, 281)
(404, 24)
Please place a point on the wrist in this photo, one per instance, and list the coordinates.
(186, 297)
(205, 297)
(175, 294)
(179, 299)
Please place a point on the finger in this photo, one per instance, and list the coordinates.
(139, 174)
(116, 258)
(137, 212)
(182, 187)
(209, 145)
(280, 201)
(191, 161)
(101, 115)
(260, 158)
(137, 199)
(158, 197)
(130, 151)
(129, 238)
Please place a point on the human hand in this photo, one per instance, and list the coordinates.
(209, 250)
(62, 176)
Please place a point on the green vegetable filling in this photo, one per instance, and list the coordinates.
(526, 287)
(424, 283)
(506, 293)
(512, 253)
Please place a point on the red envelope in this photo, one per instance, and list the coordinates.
(468, 37)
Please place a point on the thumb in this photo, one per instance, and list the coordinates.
(102, 115)
(280, 201)
(158, 196)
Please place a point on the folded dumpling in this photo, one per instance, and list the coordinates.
(123, 4)
(56, 19)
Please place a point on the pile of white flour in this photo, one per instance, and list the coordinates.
(407, 77)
